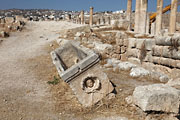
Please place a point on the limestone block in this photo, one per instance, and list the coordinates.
(117, 49)
(101, 47)
(134, 60)
(139, 72)
(19, 18)
(148, 57)
(125, 66)
(149, 44)
(156, 60)
(89, 96)
(157, 97)
(139, 43)
(167, 40)
(166, 51)
(119, 42)
(123, 49)
(121, 35)
(79, 67)
(126, 42)
(132, 43)
(159, 76)
(157, 50)
(124, 57)
(9, 19)
(133, 52)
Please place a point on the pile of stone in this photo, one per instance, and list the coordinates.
(135, 71)
(11, 24)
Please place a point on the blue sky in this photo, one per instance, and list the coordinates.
(99, 5)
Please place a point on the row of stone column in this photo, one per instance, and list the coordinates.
(142, 20)
(81, 19)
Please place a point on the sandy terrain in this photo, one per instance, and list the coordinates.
(24, 94)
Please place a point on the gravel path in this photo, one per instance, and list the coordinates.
(22, 95)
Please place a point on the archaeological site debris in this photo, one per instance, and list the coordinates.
(80, 68)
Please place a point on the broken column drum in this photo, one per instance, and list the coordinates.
(80, 68)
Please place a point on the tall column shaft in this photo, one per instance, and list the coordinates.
(137, 15)
(159, 16)
(129, 9)
(91, 16)
(143, 16)
(147, 24)
(172, 23)
(82, 17)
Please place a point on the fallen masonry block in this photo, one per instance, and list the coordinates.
(157, 97)
(79, 67)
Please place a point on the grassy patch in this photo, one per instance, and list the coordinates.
(54, 82)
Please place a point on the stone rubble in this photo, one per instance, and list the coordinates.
(157, 97)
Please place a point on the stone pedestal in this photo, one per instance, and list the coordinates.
(91, 16)
(159, 16)
(172, 23)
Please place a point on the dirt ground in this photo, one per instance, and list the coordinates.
(26, 67)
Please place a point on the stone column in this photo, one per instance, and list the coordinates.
(137, 15)
(79, 21)
(98, 22)
(109, 20)
(91, 16)
(147, 24)
(172, 23)
(69, 17)
(159, 16)
(82, 17)
(129, 9)
(143, 16)
(153, 27)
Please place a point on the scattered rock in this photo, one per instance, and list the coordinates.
(157, 97)
(62, 41)
(139, 72)
(111, 96)
(77, 38)
(4, 34)
(126, 66)
(78, 34)
(101, 47)
(129, 100)
(159, 76)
